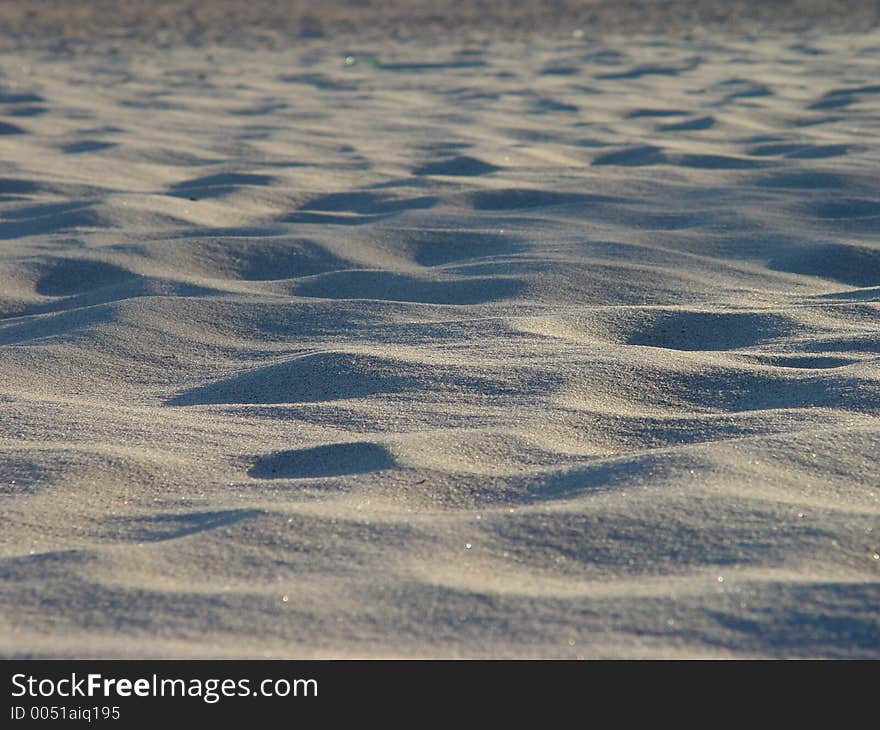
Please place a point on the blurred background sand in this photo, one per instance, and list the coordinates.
(201, 21)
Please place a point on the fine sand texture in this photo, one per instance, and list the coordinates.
(563, 345)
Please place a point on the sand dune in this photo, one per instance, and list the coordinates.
(542, 347)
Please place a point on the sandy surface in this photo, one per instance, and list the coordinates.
(281, 23)
(550, 346)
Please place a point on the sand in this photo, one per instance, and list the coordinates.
(558, 343)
